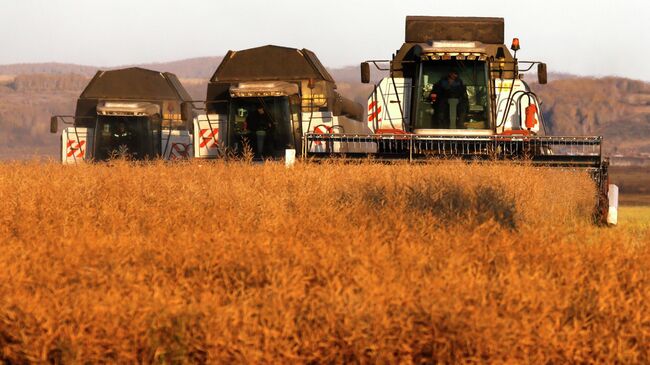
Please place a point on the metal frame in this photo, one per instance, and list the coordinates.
(576, 151)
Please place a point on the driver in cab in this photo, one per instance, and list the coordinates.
(450, 102)
(122, 137)
(260, 124)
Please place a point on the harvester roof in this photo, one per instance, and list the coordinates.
(274, 70)
(270, 63)
(135, 84)
(457, 38)
(422, 29)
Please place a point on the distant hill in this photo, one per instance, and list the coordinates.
(46, 68)
(193, 68)
(202, 67)
(617, 108)
(26, 104)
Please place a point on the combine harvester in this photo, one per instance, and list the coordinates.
(265, 99)
(136, 112)
(454, 90)
(267, 106)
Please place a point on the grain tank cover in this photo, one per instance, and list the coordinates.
(270, 63)
(423, 29)
(135, 84)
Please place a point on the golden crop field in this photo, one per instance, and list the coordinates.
(216, 262)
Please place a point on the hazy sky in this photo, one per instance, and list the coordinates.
(581, 37)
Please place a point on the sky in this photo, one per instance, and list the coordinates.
(595, 38)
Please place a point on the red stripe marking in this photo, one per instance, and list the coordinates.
(374, 115)
(75, 149)
(180, 150)
(318, 130)
(209, 140)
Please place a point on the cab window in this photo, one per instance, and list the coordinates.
(452, 95)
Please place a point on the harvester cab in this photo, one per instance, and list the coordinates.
(455, 77)
(455, 90)
(263, 100)
(134, 113)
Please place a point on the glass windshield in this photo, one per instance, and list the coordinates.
(452, 95)
(265, 124)
(136, 137)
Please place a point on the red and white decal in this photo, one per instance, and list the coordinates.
(180, 151)
(209, 138)
(386, 104)
(76, 145)
(207, 141)
(75, 149)
(374, 111)
(322, 129)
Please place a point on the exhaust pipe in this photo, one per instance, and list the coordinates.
(347, 108)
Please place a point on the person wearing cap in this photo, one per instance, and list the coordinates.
(450, 102)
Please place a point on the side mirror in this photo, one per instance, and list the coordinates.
(54, 124)
(365, 72)
(542, 77)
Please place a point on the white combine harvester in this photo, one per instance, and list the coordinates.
(147, 114)
(134, 112)
(267, 98)
(454, 90)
